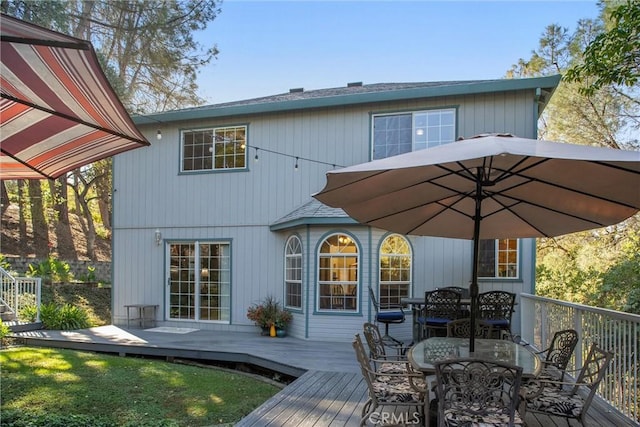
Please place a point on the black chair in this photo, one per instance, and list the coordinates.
(473, 392)
(461, 328)
(464, 292)
(558, 354)
(570, 399)
(496, 308)
(400, 387)
(556, 358)
(387, 314)
(440, 307)
(380, 351)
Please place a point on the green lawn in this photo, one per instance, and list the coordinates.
(59, 384)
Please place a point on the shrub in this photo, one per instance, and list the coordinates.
(4, 264)
(51, 271)
(269, 313)
(4, 330)
(64, 317)
(90, 277)
(28, 313)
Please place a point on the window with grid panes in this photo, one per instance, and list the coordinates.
(338, 274)
(222, 148)
(395, 134)
(498, 258)
(395, 270)
(293, 273)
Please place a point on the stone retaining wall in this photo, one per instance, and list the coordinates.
(78, 268)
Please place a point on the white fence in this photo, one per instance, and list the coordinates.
(19, 292)
(613, 330)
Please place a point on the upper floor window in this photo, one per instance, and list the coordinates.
(214, 149)
(395, 270)
(293, 273)
(338, 274)
(498, 258)
(395, 134)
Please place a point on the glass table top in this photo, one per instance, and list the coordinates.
(425, 353)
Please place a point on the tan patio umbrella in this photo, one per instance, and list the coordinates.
(57, 110)
(490, 187)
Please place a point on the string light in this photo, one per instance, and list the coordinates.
(159, 135)
(255, 159)
(298, 158)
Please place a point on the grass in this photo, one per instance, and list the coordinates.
(122, 391)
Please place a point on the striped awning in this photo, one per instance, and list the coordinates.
(58, 111)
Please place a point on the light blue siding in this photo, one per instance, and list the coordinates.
(238, 206)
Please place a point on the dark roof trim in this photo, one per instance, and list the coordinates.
(350, 96)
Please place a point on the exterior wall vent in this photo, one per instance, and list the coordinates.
(354, 84)
(296, 90)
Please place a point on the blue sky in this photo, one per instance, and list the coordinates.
(268, 47)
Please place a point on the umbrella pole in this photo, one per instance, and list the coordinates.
(473, 290)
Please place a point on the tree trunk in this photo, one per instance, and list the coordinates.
(64, 238)
(103, 191)
(40, 228)
(61, 196)
(22, 220)
(90, 230)
(4, 197)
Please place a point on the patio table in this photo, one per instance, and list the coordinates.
(425, 353)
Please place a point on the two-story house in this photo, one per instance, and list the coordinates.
(218, 213)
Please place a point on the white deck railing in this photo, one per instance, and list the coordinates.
(613, 330)
(19, 292)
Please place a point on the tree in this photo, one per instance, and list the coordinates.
(613, 57)
(149, 55)
(584, 267)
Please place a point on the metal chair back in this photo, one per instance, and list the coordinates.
(477, 391)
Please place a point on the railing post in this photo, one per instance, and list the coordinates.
(38, 297)
(577, 325)
(15, 298)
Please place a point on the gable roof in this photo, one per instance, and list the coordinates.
(354, 94)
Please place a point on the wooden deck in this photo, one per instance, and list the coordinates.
(329, 389)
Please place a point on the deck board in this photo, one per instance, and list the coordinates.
(329, 390)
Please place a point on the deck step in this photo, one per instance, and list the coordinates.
(17, 326)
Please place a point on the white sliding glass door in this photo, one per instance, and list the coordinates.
(199, 281)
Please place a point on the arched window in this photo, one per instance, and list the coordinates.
(338, 274)
(293, 273)
(395, 269)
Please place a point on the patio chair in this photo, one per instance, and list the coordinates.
(378, 346)
(402, 388)
(461, 328)
(558, 354)
(496, 308)
(440, 307)
(473, 392)
(387, 314)
(570, 399)
(378, 351)
(464, 292)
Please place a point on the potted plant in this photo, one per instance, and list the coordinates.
(283, 318)
(269, 313)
